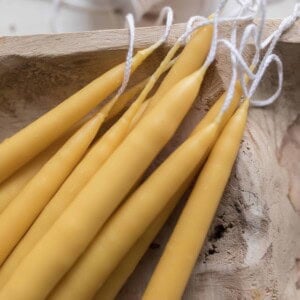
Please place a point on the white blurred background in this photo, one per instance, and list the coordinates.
(19, 17)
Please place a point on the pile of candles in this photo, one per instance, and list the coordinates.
(75, 218)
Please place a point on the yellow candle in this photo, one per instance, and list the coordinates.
(118, 277)
(215, 109)
(175, 266)
(123, 229)
(22, 210)
(103, 261)
(139, 113)
(116, 280)
(67, 239)
(83, 172)
(190, 59)
(10, 188)
(30, 141)
(126, 97)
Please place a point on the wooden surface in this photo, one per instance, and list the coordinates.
(253, 249)
(70, 43)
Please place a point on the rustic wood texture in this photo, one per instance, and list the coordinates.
(253, 249)
(74, 43)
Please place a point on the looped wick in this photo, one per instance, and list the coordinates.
(128, 63)
(213, 48)
(166, 12)
(260, 74)
(191, 22)
(235, 55)
(268, 58)
(238, 62)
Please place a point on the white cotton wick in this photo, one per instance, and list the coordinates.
(238, 56)
(284, 25)
(270, 100)
(166, 12)
(256, 32)
(195, 22)
(213, 48)
(245, 6)
(269, 58)
(128, 63)
(231, 87)
(250, 30)
(230, 91)
(235, 55)
(192, 20)
(202, 21)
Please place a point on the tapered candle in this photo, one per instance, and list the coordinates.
(122, 230)
(10, 188)
(125, 98)
(190, 59)
(22, 210)
(176, 264)
(129, 95)
(216, 108)
(66, 240)
(33, 139)
(116, 280)
(102, 266)
(83, 172)
(119, 276)
(99, 153)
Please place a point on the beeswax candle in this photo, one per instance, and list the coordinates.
(37, 136)
(22, 211)
(175, 266)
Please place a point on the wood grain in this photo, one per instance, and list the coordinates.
(104, 40)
